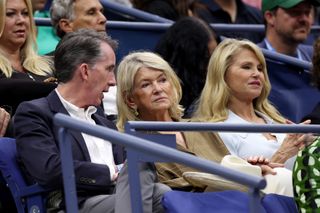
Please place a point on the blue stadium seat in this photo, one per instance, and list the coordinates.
(291, 91)
(135, 35)
(225, 201)
(26, 198)
(278, 203)
(207, 202)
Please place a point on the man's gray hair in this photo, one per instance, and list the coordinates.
(76, 48)
(61, 9)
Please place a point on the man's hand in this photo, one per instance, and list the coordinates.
(4, 121)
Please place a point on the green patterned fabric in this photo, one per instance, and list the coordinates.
(306, 178)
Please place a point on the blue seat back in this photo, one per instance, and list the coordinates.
(279, 203)
(224, 201)
(231, 201)
(291, 91)
(26, 198)
(8, 162)
(134, 36)
(168, 140)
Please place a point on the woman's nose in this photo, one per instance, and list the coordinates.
(157, 87)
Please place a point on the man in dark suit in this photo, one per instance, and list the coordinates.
(84, 64)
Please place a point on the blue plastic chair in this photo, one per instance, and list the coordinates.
(291, 91)
(26, 198)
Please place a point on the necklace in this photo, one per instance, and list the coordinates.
(30, 76)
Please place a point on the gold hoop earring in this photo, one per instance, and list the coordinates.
(135, 111)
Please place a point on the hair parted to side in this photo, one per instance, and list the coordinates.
(31, 61)
(75, 48)
(61, 9)
(126, 72)
(215, 96)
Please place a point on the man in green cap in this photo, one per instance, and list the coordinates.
(288, 24)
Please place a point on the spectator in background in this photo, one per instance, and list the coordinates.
(84, 66)
(22, 70)
(288, 25)
(47, 39)
(18, 56)
(231, 12)
(69, 15)
(187, 46)
(170, 9)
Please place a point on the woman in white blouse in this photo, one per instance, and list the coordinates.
(236, 91)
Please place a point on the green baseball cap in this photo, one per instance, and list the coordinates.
(271, 4)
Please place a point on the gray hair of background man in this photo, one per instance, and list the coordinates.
(75, 48)
(61, 9)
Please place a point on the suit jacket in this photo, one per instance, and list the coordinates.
(38, 149)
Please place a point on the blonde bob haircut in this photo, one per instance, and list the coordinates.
(31, 61)
(126, 72)
(213, 102)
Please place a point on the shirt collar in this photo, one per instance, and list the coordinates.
(270, 47)
(74, 110)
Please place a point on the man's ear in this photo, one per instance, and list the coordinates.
(65, 25)
(84, 71)
(269, 17)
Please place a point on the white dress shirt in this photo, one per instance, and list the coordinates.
(100, 151)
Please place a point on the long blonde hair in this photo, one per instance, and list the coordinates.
(127, 69)
(31, 61)
(212, 105)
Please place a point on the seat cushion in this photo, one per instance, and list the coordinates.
(226, 201)
(279, 203)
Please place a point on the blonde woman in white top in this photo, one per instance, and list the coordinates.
(236, 91)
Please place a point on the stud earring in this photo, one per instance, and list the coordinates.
(135, 111)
